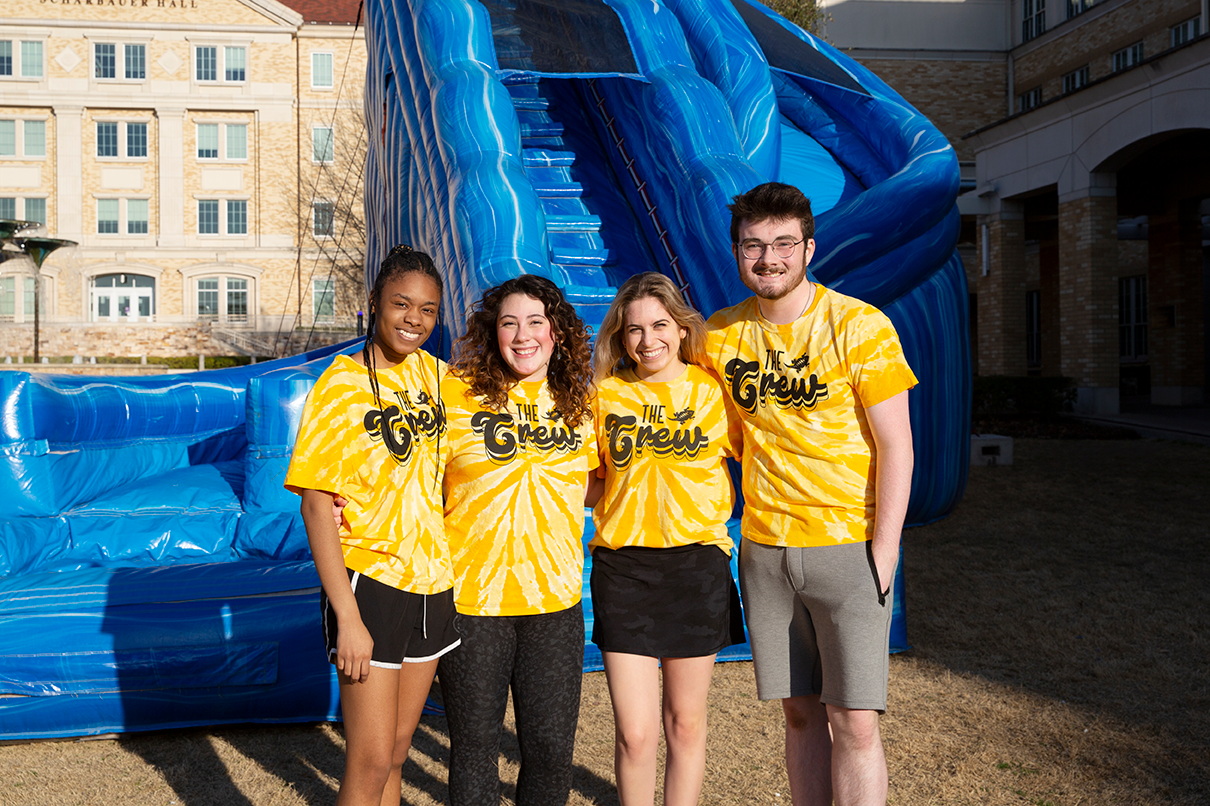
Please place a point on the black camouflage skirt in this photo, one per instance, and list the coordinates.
(664, 603)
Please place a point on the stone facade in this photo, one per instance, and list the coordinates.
(217, 164)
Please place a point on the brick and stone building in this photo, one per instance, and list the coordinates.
(199, 153)
(1083, 131)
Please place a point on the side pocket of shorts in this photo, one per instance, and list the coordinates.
(869, 555)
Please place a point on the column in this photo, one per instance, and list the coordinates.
(1001, 302)
(171, 200)
(69, 173)
(1088, 295)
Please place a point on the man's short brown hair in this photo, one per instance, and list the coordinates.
(772, 200)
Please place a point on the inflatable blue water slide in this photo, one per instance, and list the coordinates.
(153, 571)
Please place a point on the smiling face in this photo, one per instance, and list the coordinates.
(653, 340)
(406, 313)
(771, 277)
(525, 336)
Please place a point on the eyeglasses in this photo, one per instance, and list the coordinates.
(783, 248)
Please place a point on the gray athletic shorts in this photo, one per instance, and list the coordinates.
(816, 623)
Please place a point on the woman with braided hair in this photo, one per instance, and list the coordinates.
(520, 450)
(371, 434)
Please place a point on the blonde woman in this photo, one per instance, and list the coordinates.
(663, 597)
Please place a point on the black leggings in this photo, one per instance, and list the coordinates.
(542, 658)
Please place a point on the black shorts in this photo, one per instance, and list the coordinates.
(664, 603)
(406, 627)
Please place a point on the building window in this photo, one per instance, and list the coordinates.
(323, 300)
(133, 66)
(207, 63)
(105, 60)
(107, 139)
(1186, 31)
(321, 71)
(110, 218)
(207, 217)
(237, 217)
(321, 219)
(1029, 100)
(206, 66)
(1132, 318)
(237, 300)
(1075, 79)
(207, 297)
(107, 216)
(1127, 57)
(207, 141)
(35, 210)
(237, 141)
(233, 136)
(212, 221)
(323, 145)
(136, 139)
(35, 138)
(1033, 328)
(28, 59)
(136, 62)
(136, 216)
(116, 297)
(14, 306)
(31, 59)
(1078, 7)
(28, 138)
(109, 136)
(1033, 19)
(233, 64)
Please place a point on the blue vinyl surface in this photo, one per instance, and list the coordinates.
(153, 571)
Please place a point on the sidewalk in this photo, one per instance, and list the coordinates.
(1177, 423)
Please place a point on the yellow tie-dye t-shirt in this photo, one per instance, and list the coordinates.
(514, 504)
(801, 391)
(385, 462)
(664, 448)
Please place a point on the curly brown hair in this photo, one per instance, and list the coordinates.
(477, 358)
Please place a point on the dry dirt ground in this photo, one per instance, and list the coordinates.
(1059, 621)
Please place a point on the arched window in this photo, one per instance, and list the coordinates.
(122, 298)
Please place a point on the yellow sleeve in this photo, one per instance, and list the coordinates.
(317, 462)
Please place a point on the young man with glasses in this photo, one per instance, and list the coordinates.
(819, 383)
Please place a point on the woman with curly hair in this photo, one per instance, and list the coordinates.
(664, 602)
(370, 436)
(520, 450)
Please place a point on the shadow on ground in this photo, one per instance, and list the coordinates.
(1079, 573)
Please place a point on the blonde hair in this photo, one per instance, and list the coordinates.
(610, 354)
